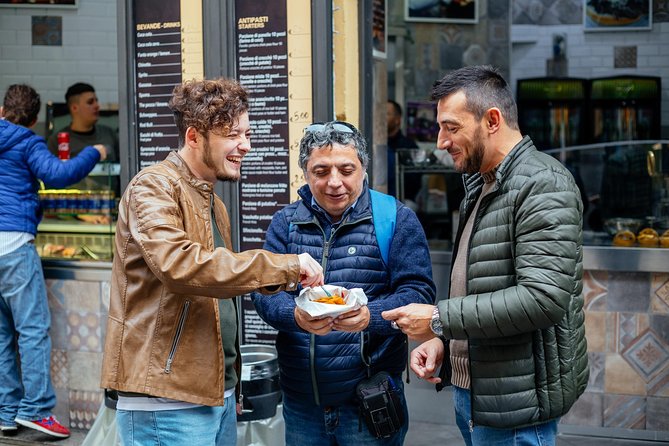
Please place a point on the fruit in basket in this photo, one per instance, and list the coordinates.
(648, 238)
(624, 238)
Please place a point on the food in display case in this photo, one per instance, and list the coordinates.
(646, 238)
(79, 223)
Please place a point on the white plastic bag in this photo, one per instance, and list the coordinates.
(354, 298)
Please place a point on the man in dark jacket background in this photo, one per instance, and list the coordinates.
(26, 393)
(511, 333)
(320, 359)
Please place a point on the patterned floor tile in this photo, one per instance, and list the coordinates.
(648, 355)
(659, 386)
(84, 370)
(597, 363)
(624, 411)
(59, 372)
(62, 409)
(628, 292)
(660, 298)
(594, 290)
(54, 291)
(83, 331)
(627, 328)
(621, 378)
(84, 406)
(657, 414)
(587, 411)
(82, 296)
(595, 330)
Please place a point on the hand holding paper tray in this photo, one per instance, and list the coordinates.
(353, 298)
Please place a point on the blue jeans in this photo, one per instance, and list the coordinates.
(24, 314)
(307, 424)
(204, 425)
(538, 435)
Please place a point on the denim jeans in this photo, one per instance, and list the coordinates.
(307, 424)
(24, 314)
(538, 435)
(202, 425)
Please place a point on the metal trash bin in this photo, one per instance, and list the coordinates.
(260, 382)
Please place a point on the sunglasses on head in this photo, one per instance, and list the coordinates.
(339, 126)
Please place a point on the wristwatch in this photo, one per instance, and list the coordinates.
(435, 324)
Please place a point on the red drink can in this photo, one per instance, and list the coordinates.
(63, 146)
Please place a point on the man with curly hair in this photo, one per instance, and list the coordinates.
(26, 393)
(171, 350)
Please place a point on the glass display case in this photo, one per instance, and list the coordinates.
(624, 188)
(78, 222)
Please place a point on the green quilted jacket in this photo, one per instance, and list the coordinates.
(523, 313)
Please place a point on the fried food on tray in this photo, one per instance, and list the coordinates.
(664, 239)
(335, 300)
(648, 238)
(624, 238)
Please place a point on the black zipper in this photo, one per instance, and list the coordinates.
(177, 336)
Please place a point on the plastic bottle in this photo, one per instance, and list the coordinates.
(64, 146)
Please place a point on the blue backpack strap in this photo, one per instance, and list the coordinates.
(384, 216)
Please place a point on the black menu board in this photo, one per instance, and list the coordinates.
(262, 67)
(158, 65)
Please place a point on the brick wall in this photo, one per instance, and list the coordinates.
(591, 54)
(88, 52)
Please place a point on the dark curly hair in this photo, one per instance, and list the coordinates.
(21, 104)
(208, 106)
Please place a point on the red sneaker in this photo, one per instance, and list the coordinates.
(49, 426)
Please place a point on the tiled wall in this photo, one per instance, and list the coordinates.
(627, 328)
(78, 318)
(589, 54)
(88, 52)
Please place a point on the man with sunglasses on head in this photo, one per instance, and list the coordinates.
(321, 359)
(171, 349)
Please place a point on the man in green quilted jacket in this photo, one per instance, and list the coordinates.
(510, 337)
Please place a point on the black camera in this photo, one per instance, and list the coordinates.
(380, 405)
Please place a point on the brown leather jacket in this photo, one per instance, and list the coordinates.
(163, 335)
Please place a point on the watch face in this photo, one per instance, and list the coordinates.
(435, 325)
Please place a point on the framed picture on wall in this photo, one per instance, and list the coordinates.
(379, 36)
(441, 11)
(39, 3)
(617, 15)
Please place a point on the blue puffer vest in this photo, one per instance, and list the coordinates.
(324, 370)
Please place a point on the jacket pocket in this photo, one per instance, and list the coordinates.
(177, 335)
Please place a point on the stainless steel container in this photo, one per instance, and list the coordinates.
(260, 382)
